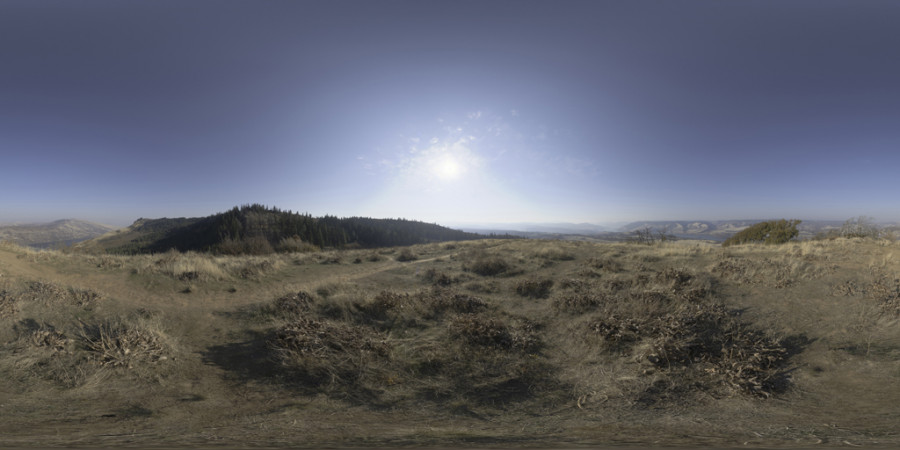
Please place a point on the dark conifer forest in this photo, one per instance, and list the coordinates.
(259, 229)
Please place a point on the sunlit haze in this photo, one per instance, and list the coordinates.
(450, 112)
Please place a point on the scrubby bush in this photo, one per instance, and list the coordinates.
(536, 288)
(705, 346)
(438, 278)
(329, 354)
(769, 232)
(861, 227)
(488, 266)
(123, 343)
(406, 255)
(295, 245)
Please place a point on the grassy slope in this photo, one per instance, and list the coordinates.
(202, 334)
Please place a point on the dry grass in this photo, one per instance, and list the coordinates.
(542, 342)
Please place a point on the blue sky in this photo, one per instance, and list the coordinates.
(451, 111)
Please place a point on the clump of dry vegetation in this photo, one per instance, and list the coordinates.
(534, 287)
(702, 346)
(329, 354)
(439, 278)
(52, 293)
(487, 265)
(406, 255)
(577, 303)
(437, 345)
(289, 306)
(8, 306)
(121, 343)
(778, 273)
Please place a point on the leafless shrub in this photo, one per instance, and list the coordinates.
(329, 354)
(885, 289)
(47, 336)
(118, 343)
(702, 344)
(477, 330)
(290, 306)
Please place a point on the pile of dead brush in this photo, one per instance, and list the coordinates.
(704, 345)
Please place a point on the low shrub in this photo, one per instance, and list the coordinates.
(534, 288)
(120, 343)
(329, 354)
(703, 345)
(438, 278)
(770, 232)
(289, 306)
(406, 255)
(488, 266)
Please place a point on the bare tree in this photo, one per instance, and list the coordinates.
(861, 226)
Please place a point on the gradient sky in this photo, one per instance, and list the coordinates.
(451, 111)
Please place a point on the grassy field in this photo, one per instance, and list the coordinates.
(500, 343)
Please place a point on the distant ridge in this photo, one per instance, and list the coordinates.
(258, 229)
(711, 230)
(722, 229)
(53, 234)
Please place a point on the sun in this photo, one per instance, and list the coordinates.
(446, 167)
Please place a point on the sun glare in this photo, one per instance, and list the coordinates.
(447, 168)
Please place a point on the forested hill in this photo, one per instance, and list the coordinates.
(257, 229)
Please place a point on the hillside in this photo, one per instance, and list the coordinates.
(53, 234)
(501, 343)
(719, 230)
(256, 229)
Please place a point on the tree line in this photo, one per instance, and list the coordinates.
(259, 229)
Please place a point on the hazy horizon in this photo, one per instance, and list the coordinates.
(450, 112)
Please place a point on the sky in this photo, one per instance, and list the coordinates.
(451, 112)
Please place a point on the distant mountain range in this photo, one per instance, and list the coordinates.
(53, 234)
(722, 229)
(714, 230)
